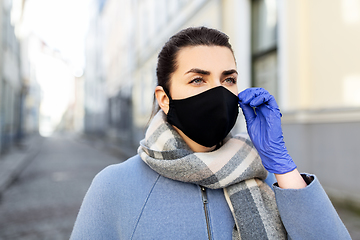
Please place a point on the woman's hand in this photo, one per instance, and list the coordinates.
(264, 129)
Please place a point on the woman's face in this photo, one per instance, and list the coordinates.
(200, 68)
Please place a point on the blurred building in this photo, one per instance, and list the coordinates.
(318, 77)
(30, 46)
(12, 90)
(95, 100)
(304, 53)
(54, 88)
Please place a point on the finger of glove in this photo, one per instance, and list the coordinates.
(250, 93)
(248, 112)
(264, 98)
(271, 115)
(270, 121)
(262, 112)
(256, 97)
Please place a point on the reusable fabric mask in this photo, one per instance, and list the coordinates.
(206, 118)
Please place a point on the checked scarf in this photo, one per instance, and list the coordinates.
(235, 166)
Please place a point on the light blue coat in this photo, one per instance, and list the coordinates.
(131, 201)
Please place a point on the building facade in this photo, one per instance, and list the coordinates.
(319, 80)
(95, 100)
(12, 91)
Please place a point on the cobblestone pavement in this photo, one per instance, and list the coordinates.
(44, 201)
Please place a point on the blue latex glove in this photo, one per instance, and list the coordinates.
(264, 129)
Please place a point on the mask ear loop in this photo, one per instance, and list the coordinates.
(167, 93)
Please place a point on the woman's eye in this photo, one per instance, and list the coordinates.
(197, 81)
(230, 80)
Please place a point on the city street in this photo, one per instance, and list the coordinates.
(87, 82)
(44, 201)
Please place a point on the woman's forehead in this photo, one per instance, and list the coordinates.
(207, 58)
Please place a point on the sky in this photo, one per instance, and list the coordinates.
(62, 24)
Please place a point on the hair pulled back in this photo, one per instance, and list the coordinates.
(192, 36)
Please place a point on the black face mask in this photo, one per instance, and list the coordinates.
(206, 118)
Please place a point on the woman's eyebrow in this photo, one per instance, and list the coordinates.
(229, 72)
(199, 71)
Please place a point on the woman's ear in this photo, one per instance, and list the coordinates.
(162, 99)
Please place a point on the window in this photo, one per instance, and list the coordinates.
(264, 45)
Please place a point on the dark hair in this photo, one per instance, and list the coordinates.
(192, 36)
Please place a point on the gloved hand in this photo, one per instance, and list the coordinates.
(264, 129)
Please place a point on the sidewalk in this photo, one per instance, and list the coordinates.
(108, 145)
(13, 162)
(18, 158)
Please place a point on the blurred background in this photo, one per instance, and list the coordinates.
(77, 80)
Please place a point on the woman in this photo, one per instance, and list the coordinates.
(191, 178)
